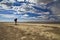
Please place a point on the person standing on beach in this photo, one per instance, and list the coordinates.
(15, 20)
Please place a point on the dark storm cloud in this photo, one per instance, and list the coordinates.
(55, 7)
(45, 1)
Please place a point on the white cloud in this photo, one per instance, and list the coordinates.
(20, 0)
(4, 1)
(41, 3)
(12, 0)
(33, 18)
(47, 13)
(34, 1)
(4, 6)
(8, 16)
(57, 15)
(25, 15)
(42, 17)
(52, 19)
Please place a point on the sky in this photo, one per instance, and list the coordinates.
(30, 10)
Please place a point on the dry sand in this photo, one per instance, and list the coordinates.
(29, 31)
